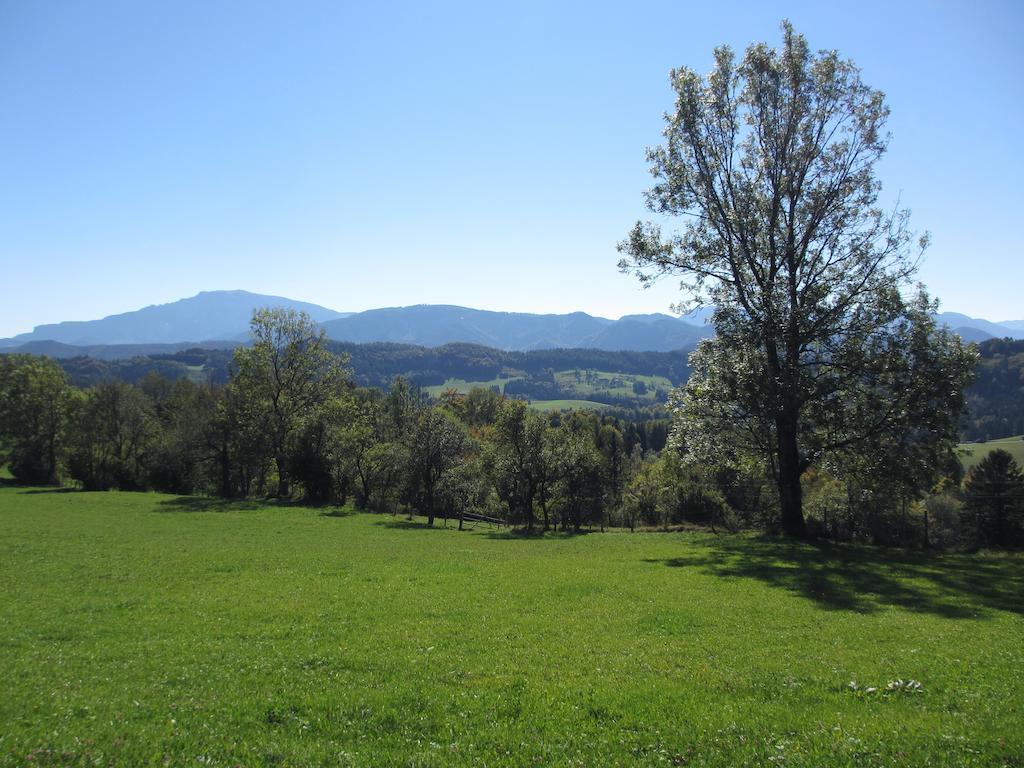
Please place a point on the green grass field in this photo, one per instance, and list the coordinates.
(565, 405)
(197, 373)
(463, 387)
(975, 452)
(142, 629)
(584, 383)
(590, 382)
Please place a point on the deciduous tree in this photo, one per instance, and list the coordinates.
(517, 458)
(113, 437)
(770, 160)
(286, 375)
(34, 403)
(436, 444)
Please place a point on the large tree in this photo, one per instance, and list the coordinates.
(818, 351)
(517, 458)
(436, 444)
(285, 377)
(34, 402)
(994, 494)
(112, 441)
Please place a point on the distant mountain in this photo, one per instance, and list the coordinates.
(969, 334)
(220, 319)
(976, 329)
(653, 333)
(432, 325)
(699, 316)
(210, 315)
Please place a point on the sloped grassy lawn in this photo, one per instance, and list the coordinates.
(975, 452)
(140, 629)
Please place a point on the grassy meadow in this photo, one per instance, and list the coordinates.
(145, 629)
(581, 384)
(567, 405)
(972, 453)
(590, 382)
(464, 387)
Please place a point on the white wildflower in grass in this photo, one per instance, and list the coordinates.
(906, 686)
(893, 686)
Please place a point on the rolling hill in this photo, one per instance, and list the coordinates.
(978, 330)
(210, 315)
(432, 325)
(221, 318)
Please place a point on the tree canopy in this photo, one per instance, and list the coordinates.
(994, 493)
(824, 350)
(285, 378)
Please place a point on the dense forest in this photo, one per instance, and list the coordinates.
(995, 399)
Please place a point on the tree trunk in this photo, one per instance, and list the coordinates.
(283, 487)
(790, 469)
(364, 502)
(53, 479)
(544, 509)
(224, 460)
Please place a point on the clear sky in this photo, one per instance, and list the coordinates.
(361, 155)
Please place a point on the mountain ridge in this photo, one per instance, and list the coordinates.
(221, 318)
(209, 315)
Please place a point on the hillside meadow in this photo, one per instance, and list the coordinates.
(146, 629)
(464, 387)
(972, 453)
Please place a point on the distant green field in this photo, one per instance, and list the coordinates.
(585, 382)
(977, 451)
(197, 373)
(565, 405)
(143, 629)
(462, 386)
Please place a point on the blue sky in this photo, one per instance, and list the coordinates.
(490, 155)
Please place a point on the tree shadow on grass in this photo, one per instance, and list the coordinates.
(868, 579)
(220, 504)
(34, 488)
(328, 511)
(208, 504)
(503, 534)
(405, 524)
(537, 534)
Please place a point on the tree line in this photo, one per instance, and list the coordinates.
(995, 397)
(290, 423)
